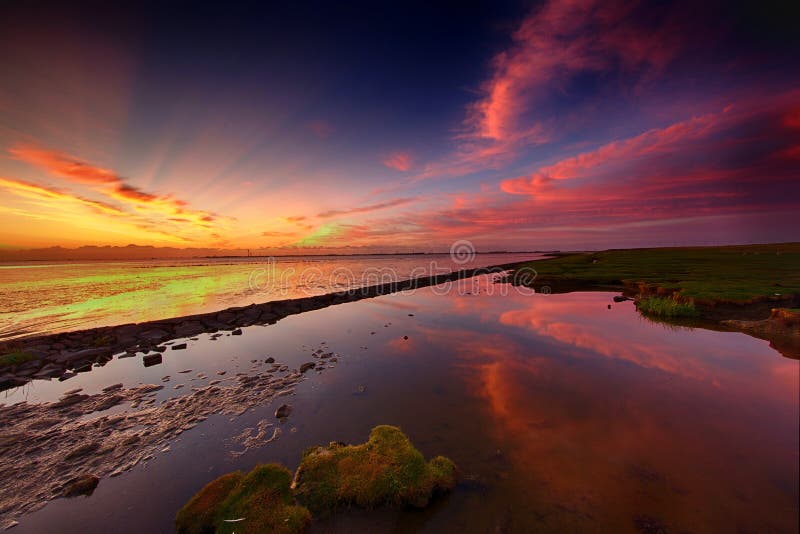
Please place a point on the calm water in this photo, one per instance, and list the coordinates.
(38, 298)
(570, 417)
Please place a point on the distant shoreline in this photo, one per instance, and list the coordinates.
(62, 354)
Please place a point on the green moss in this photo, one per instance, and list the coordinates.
(15, 357)
(262, 499)
(198, 516)
(706, 274)
(666, 307)
(386, 470)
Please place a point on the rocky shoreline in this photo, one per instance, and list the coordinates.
(65, 448)
(61, 355)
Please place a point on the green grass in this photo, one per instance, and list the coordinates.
(262, 499)
(15, 357)
(666, 307)
(706, 274)
(386, 470)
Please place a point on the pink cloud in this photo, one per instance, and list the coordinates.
(655, 141)
(400, 161)
(554, 44)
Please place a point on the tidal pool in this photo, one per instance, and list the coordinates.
(562, 414)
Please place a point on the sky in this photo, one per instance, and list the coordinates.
(382, 127)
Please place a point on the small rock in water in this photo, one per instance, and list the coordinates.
(237, 332)
(283, 411)
(307, 366)
(220, 373)
(152, 359)
(113, 387)
(270, 360)
(82, 485)
(185, 371)
(179, 346)
(361, 389)
(405, 337)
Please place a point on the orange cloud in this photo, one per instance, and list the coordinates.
(110, 184)
(401, 161)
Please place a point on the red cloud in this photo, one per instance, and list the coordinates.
(401, 161)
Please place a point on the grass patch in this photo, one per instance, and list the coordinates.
(15, 357)
(386, 470)
(666, 307)
(262, 499)
(737, 274)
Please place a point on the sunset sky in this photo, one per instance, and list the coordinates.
(518, 126)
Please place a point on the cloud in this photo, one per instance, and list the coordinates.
(38, 192)
(400, 161)
(556, 44)
(108, 183)
(366, 209)
(627, 151)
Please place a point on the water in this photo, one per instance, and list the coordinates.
(563, 414)
(40, 298)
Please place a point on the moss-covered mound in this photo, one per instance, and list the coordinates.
(260, 501)
(386, 470)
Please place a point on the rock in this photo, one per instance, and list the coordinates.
(609, 306)
(179, 346)
(159, 349)
(270, 360)
(283, 411)
(154, 334)
(620, 298)
(405, 337)
(112, 387)
(152, 359)
(307, 366)
(237, 332)
(82, 485)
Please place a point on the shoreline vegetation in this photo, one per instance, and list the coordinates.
(387, 470)
(753, 289)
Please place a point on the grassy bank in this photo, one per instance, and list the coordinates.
(706, 275)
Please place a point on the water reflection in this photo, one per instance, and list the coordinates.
(561, 413)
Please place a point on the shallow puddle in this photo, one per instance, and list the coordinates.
(562, 415)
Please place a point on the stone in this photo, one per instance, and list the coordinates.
(179, 346)
(82, 485)
(152, 359)
(237, 332)
(307, 366)
(283, 411)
